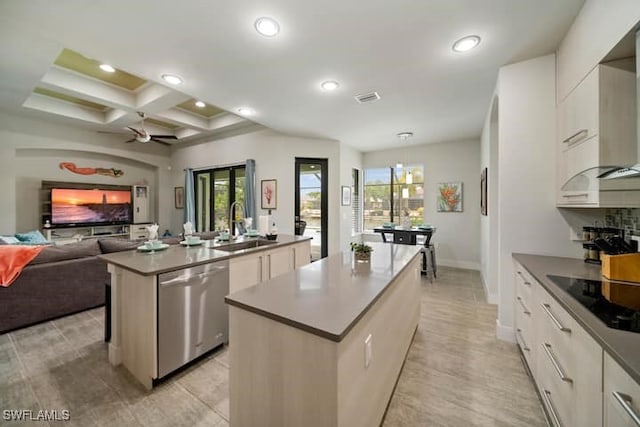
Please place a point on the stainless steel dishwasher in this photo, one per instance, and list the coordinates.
(192, 315)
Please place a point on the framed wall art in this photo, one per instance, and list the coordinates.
(449, 197)
(269, 193)
(179, 197)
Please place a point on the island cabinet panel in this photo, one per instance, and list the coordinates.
(138, 344)
(287, 375)
(364, 392)
(302, 254)
(621, 396)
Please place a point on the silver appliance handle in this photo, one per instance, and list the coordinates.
(554, 362)
(523, 278)
(524, 343)
(576, 137)
(524, 307)
(181, 280)
(546, 394)
(547, 308)
(625, 401)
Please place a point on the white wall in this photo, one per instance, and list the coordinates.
(31, 150)
(275, 155)
(457, 238)
(350, 159)
(529, 221)
(489, 224)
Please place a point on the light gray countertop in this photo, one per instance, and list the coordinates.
(327, 297)
(176, 257)
(623, 346)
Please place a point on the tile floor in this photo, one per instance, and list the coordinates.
(456, 372)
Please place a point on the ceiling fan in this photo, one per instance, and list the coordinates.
(141, 135)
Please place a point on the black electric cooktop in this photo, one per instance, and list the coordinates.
(589, 294)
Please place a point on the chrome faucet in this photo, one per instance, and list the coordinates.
(231, 221)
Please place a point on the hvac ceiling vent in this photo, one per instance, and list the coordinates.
(367, 97)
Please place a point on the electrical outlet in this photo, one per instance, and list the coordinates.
(367, 351)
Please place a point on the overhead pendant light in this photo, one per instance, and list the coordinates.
(107, 68)
(200, 104)
(329, 85)
(408, 177)
(266, 26)
(173, 79)
(465, 44)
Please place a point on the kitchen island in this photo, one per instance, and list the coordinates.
(325, 344)
(167, 307)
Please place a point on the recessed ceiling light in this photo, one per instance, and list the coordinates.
(405, 135)
(246, 111)
(466, 43)
(172, 79)
(329, 85)
(200, 104)
(268, 27)
(108, 68)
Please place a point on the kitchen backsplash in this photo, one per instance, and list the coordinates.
(627, 218)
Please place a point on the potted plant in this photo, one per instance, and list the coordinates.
(361, 251)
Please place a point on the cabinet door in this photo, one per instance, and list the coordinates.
(141, 204)
(280, 261)
(245, 271)
(302, 254)
(620, 408)
(578, 113)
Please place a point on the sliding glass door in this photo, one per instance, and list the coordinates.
(216, 190)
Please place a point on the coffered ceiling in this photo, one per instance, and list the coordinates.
(402, 49)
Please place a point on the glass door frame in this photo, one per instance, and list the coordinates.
(231, 192)
(324, 197)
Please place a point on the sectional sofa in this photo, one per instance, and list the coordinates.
(63, 280)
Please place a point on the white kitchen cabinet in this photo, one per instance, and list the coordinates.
(596, 127)
(524, 321)
(565, 362)
(621, 396)
(251, 269)
(244, 271)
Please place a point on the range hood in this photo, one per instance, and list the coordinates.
(604, 177)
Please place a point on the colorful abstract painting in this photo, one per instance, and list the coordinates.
(450, 197)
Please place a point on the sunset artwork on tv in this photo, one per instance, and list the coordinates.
(71, 206)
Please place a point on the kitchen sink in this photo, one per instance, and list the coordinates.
(249, 244)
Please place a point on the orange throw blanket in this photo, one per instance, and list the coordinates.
(13, 258)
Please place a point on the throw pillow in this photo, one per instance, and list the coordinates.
(33, 237)
(9, 240)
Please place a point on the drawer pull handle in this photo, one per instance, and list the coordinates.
(525, 347)
(524, 279)
(569, 196)
(524, 307)
(554, 362)
(576, 137)
(546, 308)
(625, 401)
(546, 394)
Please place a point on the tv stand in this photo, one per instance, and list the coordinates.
(75, 234)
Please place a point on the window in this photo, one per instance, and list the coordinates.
(215, 191)
(387, 196)
(356, 210)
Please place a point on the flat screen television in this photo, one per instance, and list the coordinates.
(90, 207)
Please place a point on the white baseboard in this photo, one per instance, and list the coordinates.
(491, 298)
(466, 265)
(505, 333)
